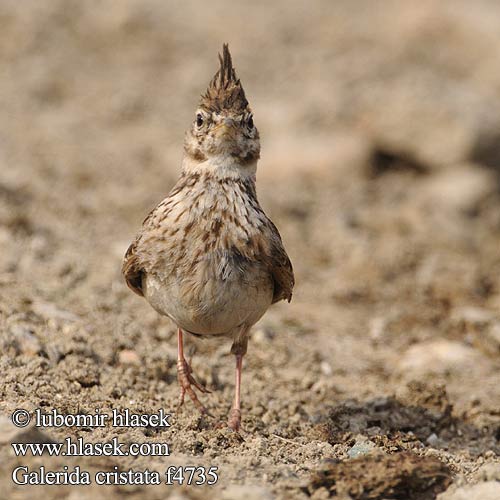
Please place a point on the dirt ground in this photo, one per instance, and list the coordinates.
(380, 127)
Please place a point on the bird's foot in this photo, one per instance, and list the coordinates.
(234, 420)
(186, 381)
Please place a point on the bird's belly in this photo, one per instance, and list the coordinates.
(213, 305)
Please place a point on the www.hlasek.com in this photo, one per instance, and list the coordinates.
(78, 447)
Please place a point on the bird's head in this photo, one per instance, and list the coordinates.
(223, 128)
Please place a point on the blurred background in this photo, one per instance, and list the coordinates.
(380, 127)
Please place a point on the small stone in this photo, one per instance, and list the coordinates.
(25, 340)
(433, 440)
(472, 315)
(377, 328)
(177, 495)
(321, 494)
(128, 357)
(489, 490)
(262, 336)
(362, 446)
(50, 311)
(460, 188)
(437, 357)
(267, 418)
(246, 492)
(490, 471)
(326, 368)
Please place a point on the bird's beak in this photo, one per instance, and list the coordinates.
(226, 129)
(229, 122)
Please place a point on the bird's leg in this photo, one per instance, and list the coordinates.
(234, 420)
(185, 377)
(239, 348)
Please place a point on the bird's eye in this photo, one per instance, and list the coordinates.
(199, 120)
(250, 122)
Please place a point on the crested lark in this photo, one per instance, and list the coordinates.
(207, 256)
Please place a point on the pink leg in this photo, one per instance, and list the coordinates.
(185, 378)
(234, 421)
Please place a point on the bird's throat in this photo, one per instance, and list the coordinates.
(220, 167)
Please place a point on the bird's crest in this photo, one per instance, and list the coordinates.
(225, 90)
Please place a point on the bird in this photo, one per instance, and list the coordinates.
(207, 256)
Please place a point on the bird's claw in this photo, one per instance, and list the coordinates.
(186, 381)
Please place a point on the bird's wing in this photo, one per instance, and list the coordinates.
(280, 267)
(132, 268)
(134, 263)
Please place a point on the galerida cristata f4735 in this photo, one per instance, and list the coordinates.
(207, 256)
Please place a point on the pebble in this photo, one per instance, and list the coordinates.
(267, 418)
(25, 340)
(326, 368)
(477, 316)
(262, 336)
(433, 440)
(128, 357)
(377, 327)
(437, 356)
(246, 492)
(460, 188)
(489, 490)
(50, 311)
(321, 494)
(176, 495)
(490, 471)
(361, 447)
